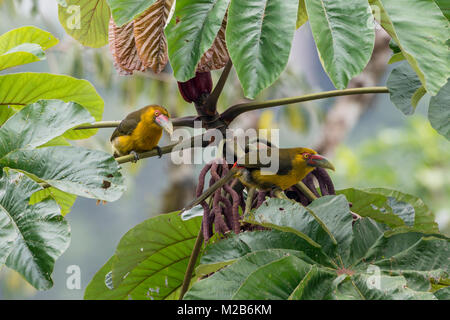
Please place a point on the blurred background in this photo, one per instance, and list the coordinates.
(371, 143)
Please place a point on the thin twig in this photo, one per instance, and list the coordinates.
(191, 265)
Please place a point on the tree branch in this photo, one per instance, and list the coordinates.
(232, 112)
(194, 141)
(177, 122)
(211, 101)
(192, 260)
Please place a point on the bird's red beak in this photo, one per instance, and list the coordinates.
(316, 160)
(164, 122)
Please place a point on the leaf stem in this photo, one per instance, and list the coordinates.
(192, 261)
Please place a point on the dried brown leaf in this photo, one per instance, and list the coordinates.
(123, 49)
(217, 56)
(151, 42)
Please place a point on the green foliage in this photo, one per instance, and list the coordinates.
(391, 207)
(149, 262)
(259, 36)
(344, 34)
(422, 41)
(21, 89)
(33, 236)
(302, 14)
(404, 84)
(90, 28)
(439, 111)
(191, 32)
(402, 159)
(365, 261)
(123, 11)
(88, 173)
(24, 45)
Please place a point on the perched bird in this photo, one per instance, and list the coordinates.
(141, 131)
(294, 164)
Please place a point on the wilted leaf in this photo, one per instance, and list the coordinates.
(217, 56)
(149, 34)
(123, 49)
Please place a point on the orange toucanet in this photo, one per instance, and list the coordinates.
(141, 131)
(294, 164)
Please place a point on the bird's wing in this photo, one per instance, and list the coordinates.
(253, 160)
(128, 124)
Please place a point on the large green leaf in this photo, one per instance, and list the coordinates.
(317, 224)
(90, 28)
(423, 217)
(123, 11)
(223, 285)
(40, 122)
(101, 286)
(21, 89)
(405, 88)
(259, 36)
(63, 199)
(439, 111)
(88, 173)
(191, 33)
(380, 264)
(420, 30)
(444, 5)
(150, 260)
(32, 237)
(24, 45)
(344, 34)
(227, 251)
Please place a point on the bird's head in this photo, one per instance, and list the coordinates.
(162, 118)
(312, 159)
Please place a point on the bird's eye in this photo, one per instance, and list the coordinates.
(306, 155)
(156, 113)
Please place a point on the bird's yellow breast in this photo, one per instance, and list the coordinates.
(143, 138)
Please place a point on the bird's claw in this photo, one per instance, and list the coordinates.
(135, 155)
(159, 150)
